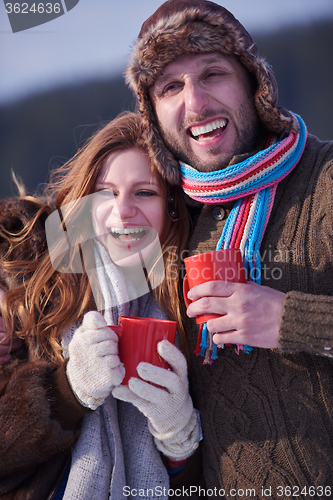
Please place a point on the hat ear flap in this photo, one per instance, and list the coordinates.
(160, 156)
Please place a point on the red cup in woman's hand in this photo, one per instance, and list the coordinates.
(138, 339)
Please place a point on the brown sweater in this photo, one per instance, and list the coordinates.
(267, 416)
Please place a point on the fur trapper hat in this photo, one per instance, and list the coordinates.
(180, 27)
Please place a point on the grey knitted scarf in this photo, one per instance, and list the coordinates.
(115, 452)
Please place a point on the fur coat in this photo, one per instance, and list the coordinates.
(40, 421)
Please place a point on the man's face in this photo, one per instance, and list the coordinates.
(205, 110)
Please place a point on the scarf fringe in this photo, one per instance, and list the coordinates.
(209, 350)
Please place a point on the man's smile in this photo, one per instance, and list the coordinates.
(211, 129)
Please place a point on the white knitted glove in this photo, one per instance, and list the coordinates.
(94, 367)
(172, 418)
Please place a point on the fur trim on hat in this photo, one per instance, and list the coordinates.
(182, 27)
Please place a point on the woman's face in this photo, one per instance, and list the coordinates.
(128, 208)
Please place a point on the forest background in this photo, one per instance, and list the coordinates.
(44, 130)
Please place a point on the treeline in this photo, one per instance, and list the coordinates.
(45, 130)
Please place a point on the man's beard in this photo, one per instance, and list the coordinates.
(248, 138)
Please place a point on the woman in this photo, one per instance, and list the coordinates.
(118, 443)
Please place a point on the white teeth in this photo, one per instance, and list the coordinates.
(195, 131)
(130, 233)
(127, 230)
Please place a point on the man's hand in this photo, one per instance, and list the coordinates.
(250, 313)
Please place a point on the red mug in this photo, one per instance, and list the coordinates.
(225, 265)
(138, 339)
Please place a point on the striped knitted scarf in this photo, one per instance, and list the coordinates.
(253, 184)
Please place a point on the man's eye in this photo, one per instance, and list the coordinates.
(212, 74)
(171, 87)
(216, 74)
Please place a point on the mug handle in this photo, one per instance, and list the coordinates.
(186, 289)
(117, 329)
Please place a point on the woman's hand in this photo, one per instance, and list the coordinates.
(169, 409)
(94, 367)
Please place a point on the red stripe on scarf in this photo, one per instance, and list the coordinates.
(244, 221)
(210, 185)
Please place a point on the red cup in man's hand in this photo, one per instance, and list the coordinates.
(225, 265)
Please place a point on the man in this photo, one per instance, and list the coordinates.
(253, 180)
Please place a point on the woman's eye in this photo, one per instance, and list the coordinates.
(107, 193)
(146, 193)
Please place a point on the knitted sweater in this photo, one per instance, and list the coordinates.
(267, 416)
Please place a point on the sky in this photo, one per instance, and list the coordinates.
(93, 39)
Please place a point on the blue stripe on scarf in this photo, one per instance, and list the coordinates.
(228, 173)
(264, 186)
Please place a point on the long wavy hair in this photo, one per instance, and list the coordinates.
(54, 300)
(22, 248)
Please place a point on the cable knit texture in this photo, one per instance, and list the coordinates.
(267, 416)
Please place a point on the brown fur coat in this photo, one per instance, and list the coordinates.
(39, 414)
(39, 422)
